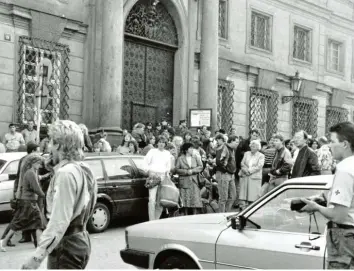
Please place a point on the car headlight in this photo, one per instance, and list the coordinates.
(126, 239)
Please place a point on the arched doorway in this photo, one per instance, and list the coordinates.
(150, 43)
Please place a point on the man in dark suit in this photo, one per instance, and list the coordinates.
(306, 160)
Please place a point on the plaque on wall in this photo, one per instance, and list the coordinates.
(199, 118)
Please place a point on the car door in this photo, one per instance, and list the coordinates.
(7, 185)
(283, 240)
(96, 165)
(120, 184)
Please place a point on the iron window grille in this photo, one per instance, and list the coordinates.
(304, 114)
(55, 78)
(223, 15)
(335, 115)
(302, 44)
(225, 104)
(334, 56)
(263, 114)
(260, 31)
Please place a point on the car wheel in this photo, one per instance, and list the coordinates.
(178, 261)
(100, 218)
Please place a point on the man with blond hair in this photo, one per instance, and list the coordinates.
(71, 198)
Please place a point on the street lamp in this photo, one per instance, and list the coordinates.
(296, 82)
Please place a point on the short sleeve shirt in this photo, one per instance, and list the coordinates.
(342, 191)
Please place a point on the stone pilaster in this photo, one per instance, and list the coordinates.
(208, 80)
(112, 65)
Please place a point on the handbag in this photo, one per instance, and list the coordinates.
(169, 193)
(201, 180)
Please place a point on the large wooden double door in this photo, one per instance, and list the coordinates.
(148, 83)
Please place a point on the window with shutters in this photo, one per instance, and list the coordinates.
(302, 44)
(223, 19)
(261, 27)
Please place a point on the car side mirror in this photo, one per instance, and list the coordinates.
(238, 223)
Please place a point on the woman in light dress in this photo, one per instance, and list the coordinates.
(251, 174)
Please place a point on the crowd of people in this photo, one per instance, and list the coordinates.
(235, 171)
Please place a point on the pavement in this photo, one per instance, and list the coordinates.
(105, 253)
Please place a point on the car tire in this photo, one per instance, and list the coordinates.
(178, 261)
(100, 219)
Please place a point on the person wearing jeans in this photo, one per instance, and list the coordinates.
(225, 170)
(158, 165)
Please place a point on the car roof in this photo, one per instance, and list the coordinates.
(111, 155)
(11, 156)
(324, 180)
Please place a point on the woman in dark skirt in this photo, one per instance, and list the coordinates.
(28, 215)
(188, 167)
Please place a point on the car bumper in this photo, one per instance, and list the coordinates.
(136, 258)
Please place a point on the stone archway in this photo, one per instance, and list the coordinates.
(155, 63)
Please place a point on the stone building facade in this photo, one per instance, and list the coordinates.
(111, 63)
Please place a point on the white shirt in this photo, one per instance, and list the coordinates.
(342, 191)
(157, 161)
(296, 153)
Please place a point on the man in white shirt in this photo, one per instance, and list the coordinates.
(340, 208)
(157, 163)
(13, 140)
(29, 134)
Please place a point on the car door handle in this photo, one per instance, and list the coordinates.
(307, 245)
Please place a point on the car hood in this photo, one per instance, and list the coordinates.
(218, 218)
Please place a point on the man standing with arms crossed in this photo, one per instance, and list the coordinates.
(340, 207)
(71, 198)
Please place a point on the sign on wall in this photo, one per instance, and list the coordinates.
(199, 118)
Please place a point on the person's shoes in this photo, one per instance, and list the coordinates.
(25, 241)
(2, 249)
(10, 244)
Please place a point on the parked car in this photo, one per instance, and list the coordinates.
(8, 170)
(120, 179)
(266, 235)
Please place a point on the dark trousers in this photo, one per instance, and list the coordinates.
(72, 252)
(340, 248)
(265, 176)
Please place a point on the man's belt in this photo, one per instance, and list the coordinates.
(332, 225)
(267, 166)
(72, 229)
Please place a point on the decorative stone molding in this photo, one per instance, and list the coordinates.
(21, 18)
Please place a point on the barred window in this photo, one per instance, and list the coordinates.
(335, 59)
(302, 44)
(263, 111)
(335, 115)
(261, 31)
(42, 64)
(223, 15)
(50, 109)
(225, 104)
(305, 115)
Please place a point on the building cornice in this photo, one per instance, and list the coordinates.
(21, 17)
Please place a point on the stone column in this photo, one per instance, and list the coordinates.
(112, 65)
(209, 56)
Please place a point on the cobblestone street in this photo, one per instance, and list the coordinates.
(105, 250)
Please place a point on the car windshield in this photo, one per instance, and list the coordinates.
(2, 163)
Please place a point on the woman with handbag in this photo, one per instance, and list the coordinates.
(158, 165)
(28, 215)
(188, 167)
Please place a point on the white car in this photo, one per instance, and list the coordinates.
(266, 235)
(8, 170)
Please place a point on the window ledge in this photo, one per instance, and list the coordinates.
(258, 51)
(299, 62)
(340, 75)
(224, 42)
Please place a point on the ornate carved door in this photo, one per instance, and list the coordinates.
(149, 49)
